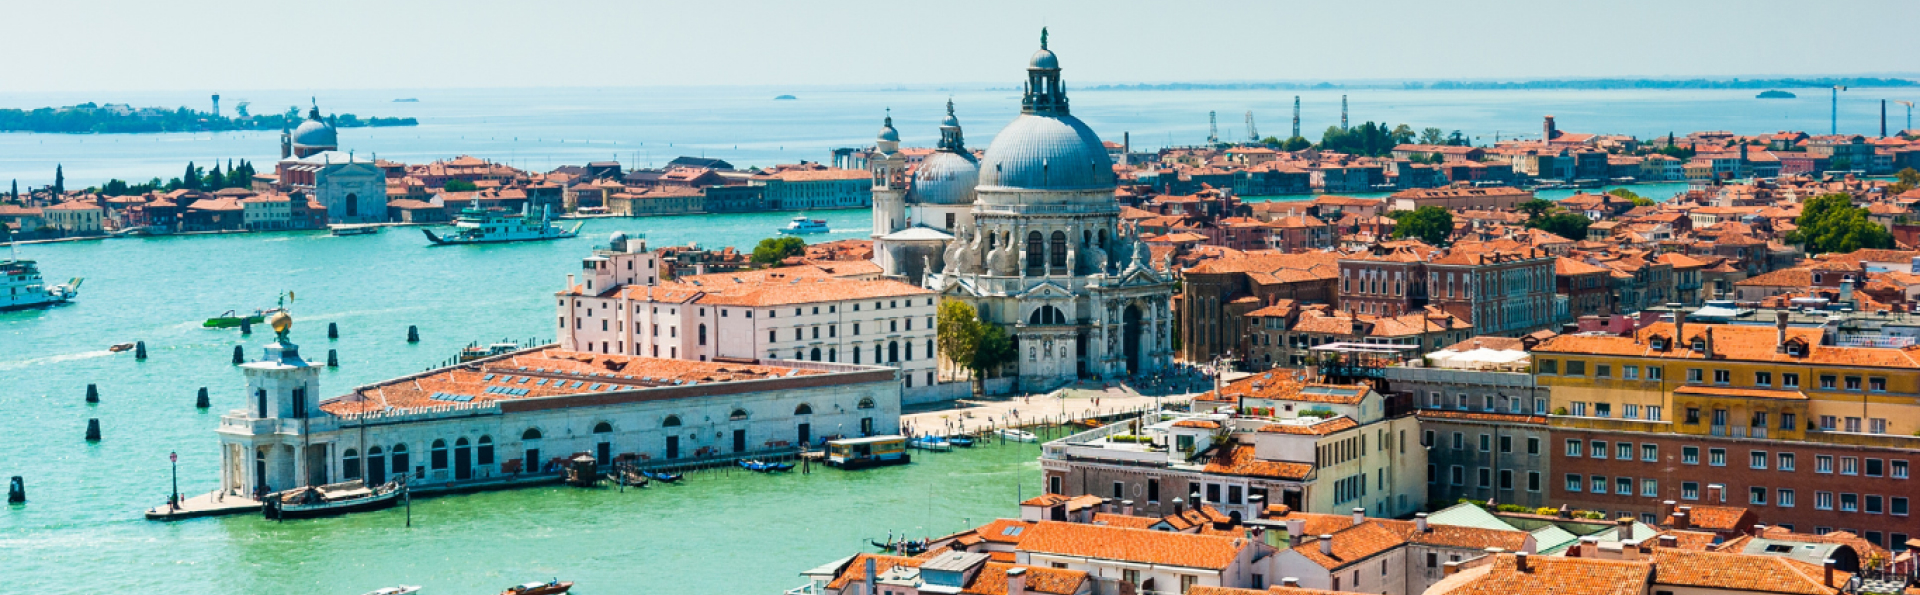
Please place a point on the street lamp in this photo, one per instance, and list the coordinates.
(174, 502)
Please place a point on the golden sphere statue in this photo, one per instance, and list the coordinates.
(281, 322)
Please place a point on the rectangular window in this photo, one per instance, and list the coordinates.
(1629, 412)
(1757, 496)
(1599, 449)
(1649, 488)
(1599, 484)
(1573, 482)
(1649, 452)
(1849, 502)
(1822, 463)
(1654, 373)
(1653, 413)
(1458, 475)
(1630, 372)
(1877, 384)
(1623, 451)
(1623, 486)
(1576, 368)
(1506, 479)
(1784, 499)
(1486, 442)
(1689, 490)
(1877, 425)
(1486, 477)
(1506, 444)
(1785, 461)
(1849, 466)
(1579, 409)
(1533, 445)
(1853, 383)
(1717, 457)
(1876, 468)
(1789, 380)
(1574, 447)
(1602, 371)
(1603, 409)
(1829, 381)
(1548, 366)
(1757, 459)
(1693, 375)
(1722, 376)
(1788, 421)
(1899, 508)
(1533, 483)
(1459, 441)
(1763, 378)
(1899, 469)
(1874, 504)
(1823, 500)
(1690, 455)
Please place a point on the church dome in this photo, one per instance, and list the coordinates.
(887, 133)
(1047, 153)
(315, 132)
(1044, 59)
(946, 178)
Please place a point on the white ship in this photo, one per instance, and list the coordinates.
(802, 225)
(490, 226)
(21, 287)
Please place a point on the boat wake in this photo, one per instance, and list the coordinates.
(53, 359)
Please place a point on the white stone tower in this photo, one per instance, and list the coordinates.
(269, 445)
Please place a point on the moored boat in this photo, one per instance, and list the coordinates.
(872, 451)
(330, 499)
(493, 226)
(1018, 435)
(661, 476)
(538, 588)
(400, 590)
(349, 229)
(961, 441)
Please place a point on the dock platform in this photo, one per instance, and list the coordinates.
(204, 505)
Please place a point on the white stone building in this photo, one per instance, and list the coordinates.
(514, 414)
(1043, 254)
(620, 305)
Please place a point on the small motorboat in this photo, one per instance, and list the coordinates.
(119, 347)
(537, 588)
(1016, 435)
(937, 443)
(400, 590)
(802, 225)
(662, 476)
(961, 441)
(230, 319)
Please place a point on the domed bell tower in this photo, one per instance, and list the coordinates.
(889, 181)
(270, 443)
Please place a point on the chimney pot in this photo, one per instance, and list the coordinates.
(1452, 567)
(1290, 582)
(1016, 581)
(1126, 507)
(1359, 515)
(1829, 564)
(1326, 545)
(1520, 562)
(1669, 541)
(1420, 522)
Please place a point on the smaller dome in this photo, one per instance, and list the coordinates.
(950, 121)
(617, 238)
(1044, 59)
(888, 133)
(315, 132)
(946, 178)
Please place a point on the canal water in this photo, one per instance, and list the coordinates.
(81, 530)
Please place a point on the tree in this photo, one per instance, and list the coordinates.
(1432, 136)
(1429, 224)
(773, 250)
(1908, 179)
(458, 185)
(214, 180)
(1832, 224)
(1572, 226)
(191, 179)
(1534, 208)
(959, 332)
(996, 350)
(1402, 134)
(1297, 144)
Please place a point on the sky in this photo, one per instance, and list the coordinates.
(76, 45)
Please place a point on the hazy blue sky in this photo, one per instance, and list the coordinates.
(200, 44)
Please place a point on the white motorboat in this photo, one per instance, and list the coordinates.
(21, 287)
(802, 226)
(1017, 435)
(492, 226)
(400, 590)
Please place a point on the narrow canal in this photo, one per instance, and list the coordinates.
(81, 529)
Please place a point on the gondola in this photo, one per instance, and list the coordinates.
(662, 476)
(629, 477)
(752, 465)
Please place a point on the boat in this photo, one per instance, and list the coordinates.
(802, 226)
(406, 100)
(474, 352)
(938, 443)
(785, 98)
(348, 229)
(400, 590)
(21, 287)
(330, 499)
(582, 471)
(629, 477)
(119, 347)
(493, 226)
(907, 548)
(872, 451)
(662, 476)
(538, 588)
(1017, 435)
(961, 441)
(763, 466)
(230, 319)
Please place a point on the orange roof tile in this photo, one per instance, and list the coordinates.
(1132, 545)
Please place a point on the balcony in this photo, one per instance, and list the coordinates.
(1604, 423)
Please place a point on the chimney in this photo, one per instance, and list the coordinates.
(1359, 515)
(1669, 541)
(1828, 564)
(1106, 505)
(1680, 330)
(1296, 529)
(1452, 567)
(1179, 506)
(1420, 522)
(1290, 582)
(1520, 562)
(1709, 343)
(1016, 581)
(1326, 545)
(1759, 529)
(1126, 507)
(1680, 520)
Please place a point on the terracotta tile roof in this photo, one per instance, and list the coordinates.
(1735, 343)
(1476, 538)
(856, 570)
(1315, 523)
(1285, 386)
(1353, 544)
(1005, 531)
(1197, 423)
(1550, 575)
(1862, 546)
(1132, 545)
(1740, 572)
(1568, 266)
(1121, 520)
(1691, 540)
(1322, 428)
(1713, 518)
(1239, 460)
(775, 287)
(992, 580)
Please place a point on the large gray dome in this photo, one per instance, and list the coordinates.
(1044, 59)
(315, 133)
(1047, 153)
(946, 178)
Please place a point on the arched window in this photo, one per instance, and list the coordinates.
(484, 456)
(803, 409)
(460, 443)
(1103, 238)
(909, 355)
(929, 347)
(1035, 256)
(833, 355)
(703, 334)
(815, 354)
(737, 415)
(866, 403)
(350, 464)
(893, 351)
(438, 454)
(877, 353)
(603, 428)
(353, 205)
(1057, 250)
(673, 421)
(530, 434)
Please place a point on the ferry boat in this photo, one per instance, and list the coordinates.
(491, 226)
(802, 226)
(474, 352)
(872, 451)
(330, 499)
(21, 287)
(349, 229)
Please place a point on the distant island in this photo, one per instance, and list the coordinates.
(785, 97)
(122, 118)
(406, 100)
(1775, 94)
(1592, 84)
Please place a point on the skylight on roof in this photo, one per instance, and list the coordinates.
(1012, 530)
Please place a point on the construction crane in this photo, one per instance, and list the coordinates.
(1213, 129)
(1296, 117)
(1253, 133)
